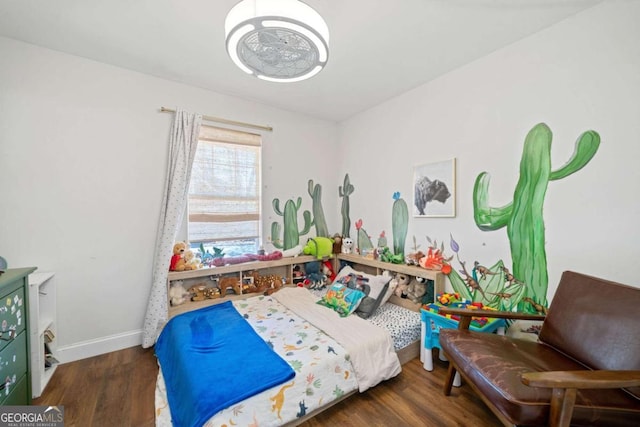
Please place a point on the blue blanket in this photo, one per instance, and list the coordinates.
(211, 358)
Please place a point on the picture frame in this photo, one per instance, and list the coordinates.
(434, 189)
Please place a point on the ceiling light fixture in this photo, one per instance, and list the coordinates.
(277, 40)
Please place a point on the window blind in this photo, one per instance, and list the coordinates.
(224, 192)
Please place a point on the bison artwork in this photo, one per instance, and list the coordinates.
(427, 191)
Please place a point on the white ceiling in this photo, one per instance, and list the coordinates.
(378, 49)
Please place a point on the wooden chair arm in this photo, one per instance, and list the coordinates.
(582, 379)
(466, 314)
(565, 384)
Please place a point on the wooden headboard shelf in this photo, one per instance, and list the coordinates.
(377, 267)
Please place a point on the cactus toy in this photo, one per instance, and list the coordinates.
(523, 216)
(290, 220)
(399, 223)
(315, 191)
(345, 190)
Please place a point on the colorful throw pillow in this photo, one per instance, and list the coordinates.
(375, 282)
(342, 299)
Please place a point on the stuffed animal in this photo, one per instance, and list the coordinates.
(294, 251)
(347, 245)
(414, 258)
(177, 260)
(337, 243)
(320, 247)
(401, 285)
(177, 293)
(232, 282)
(201, 292)
(417, 289)
(316, 279)
(191, 261)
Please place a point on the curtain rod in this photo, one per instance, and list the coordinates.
(225, 121)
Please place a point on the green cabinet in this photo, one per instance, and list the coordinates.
(15, 378)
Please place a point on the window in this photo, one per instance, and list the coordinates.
(224, 192)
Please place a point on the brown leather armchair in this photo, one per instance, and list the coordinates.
(584, 370)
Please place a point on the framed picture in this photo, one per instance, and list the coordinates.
(434, 189)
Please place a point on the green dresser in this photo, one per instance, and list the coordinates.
(15, 378)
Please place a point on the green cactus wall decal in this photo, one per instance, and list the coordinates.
(345, 190)
(364, 241)
(523, 216)
(290, 219)
(315, 191)
(399, 223)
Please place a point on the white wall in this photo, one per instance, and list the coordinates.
(83, 150)
(583, 73)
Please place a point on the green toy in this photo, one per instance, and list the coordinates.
(320, 247)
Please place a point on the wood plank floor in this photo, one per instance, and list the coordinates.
(117, 389)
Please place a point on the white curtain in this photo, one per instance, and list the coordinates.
(182, 149)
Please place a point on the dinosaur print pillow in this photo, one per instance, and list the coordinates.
(342, 299)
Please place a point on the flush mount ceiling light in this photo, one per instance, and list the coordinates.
(277, 40)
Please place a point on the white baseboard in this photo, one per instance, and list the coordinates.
(98, 346)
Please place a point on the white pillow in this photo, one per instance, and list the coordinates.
(376, 283)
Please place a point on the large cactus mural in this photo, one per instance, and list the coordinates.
(289, 216)
(344, 191)
(523, 216)
(315, 191)
(399, 223)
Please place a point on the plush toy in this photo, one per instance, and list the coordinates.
(347, 245)
(177, 293)
(327, 270)
(177, 260)
(337, 243)
(191, 261)
(294, 251)
(316, 279)
(201, 292)
(320, 247)
(232, 282)
(414, 258)
(401, 285)
(417, 289)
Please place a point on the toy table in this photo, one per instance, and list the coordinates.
(430, 335)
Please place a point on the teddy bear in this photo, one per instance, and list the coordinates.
(177, 259)
(417, 289)
(191, 261)
(401, 285)
(177, 293)
(347, 245)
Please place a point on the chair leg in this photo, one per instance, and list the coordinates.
(562, 402)
(448, 382)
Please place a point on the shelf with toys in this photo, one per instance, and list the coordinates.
(201, 287)
(377, 266)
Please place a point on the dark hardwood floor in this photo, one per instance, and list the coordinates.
(117, 389)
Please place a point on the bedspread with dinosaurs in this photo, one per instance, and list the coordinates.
(323, 371)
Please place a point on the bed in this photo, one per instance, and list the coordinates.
(330, 364)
